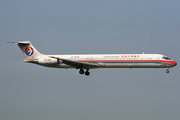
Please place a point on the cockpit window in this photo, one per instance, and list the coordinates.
(166, 58)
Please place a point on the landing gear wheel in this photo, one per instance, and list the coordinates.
(167, 71)
(81, 71)
(87, 73)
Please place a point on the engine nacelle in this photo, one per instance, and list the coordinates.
(48, 61)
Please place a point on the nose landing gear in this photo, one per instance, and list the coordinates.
(167, 71)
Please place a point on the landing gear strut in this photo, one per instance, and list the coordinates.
(87, 73)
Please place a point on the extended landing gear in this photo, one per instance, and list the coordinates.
(87, 73)
(81, 71)
(167, 71)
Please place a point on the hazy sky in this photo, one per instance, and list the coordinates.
(31, 92)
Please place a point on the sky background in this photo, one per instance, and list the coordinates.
(31, 92)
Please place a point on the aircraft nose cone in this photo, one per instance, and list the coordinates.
(174, 63)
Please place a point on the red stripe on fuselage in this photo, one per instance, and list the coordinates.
(171, 62)
(168, 62)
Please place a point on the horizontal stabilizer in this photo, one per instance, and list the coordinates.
(21, 42)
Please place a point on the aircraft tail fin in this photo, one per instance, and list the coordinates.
(27, 48)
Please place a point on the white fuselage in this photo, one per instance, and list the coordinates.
(110, 61)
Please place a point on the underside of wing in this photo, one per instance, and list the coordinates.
(77, 64)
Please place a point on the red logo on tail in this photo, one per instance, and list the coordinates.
(29, 51)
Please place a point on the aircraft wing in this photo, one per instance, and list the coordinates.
(77, 64)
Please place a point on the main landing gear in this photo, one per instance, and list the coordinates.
(87, 73)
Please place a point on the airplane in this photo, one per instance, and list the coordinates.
(92, 61)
